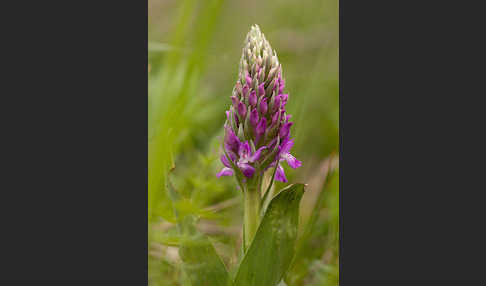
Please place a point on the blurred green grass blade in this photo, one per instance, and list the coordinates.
(201, 263)
(272, 249)
(177, 85)
(321, 232)
(320, 204)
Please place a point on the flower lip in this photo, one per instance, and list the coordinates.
(280, 174)
(225, 161)
(225, 172)
(292, 161)
(246, 169)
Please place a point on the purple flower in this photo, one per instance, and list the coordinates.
(244, 91)
(280, 174)
(241, 110)
(258, 137)
(281, 83)
(263, 106)
(276, 104)
(231, 140)
(248, 79)
(225, 172)
(254, 117)
(261, 89)
(243, 161)
(253, 98)
(260, 129)
(285, 130)
(285, 97)
(285, 154)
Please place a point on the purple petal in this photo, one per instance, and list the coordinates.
(285, 97)
(232, 155)
(253, 98)
(288, 118)
(280, 174)
(274, 118)
(246, 169)
(248, 79)
(281, 85)
(225, 172)
(245, 90)
(254, 117)
(237, 121)
(286, 145)
(285, 130)
(242, 110)
(257, 154)
(261, 89)
(263, 106)
(292, 161)
(225, 161)
(231, 140)
(261, 127)
(276, 105)
(244, 149)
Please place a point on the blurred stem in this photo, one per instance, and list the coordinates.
(251, 211)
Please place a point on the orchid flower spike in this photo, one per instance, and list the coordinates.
(257, 128)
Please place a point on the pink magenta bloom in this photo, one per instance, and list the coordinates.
(257, 129)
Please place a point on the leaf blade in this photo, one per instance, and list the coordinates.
(272, 249)
(201, 263)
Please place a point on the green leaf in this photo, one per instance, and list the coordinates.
(201, 263)
(272, 249)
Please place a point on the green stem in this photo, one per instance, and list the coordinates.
(251, 213)
(266, 197)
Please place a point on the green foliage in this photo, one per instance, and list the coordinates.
(172, 107)
(201, 263)
(272, 248)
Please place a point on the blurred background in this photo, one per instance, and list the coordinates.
(194, 52)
